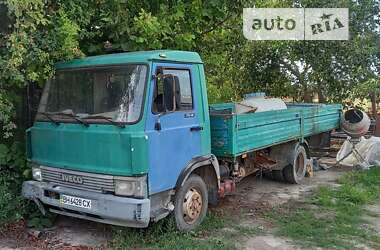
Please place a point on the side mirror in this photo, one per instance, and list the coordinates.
(166, 90)
(169, 93)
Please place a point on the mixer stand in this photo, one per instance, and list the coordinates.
(357, 155)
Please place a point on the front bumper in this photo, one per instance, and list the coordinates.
(106, 208)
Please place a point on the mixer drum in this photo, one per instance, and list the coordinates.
(355, 123)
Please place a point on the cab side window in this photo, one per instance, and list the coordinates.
(181, 80)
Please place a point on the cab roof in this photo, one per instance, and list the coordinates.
(133, 57)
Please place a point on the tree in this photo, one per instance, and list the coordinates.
(41, 32)
(330, 69)
(44, 32)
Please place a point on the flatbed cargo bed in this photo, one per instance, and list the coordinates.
(235, 134)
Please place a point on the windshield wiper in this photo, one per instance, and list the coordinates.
(118, 124)
(48, 115)
(68, 113)
(72, 115)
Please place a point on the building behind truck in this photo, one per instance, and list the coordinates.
(130, 138)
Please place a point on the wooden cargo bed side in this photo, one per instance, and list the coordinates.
(318, 118)
(234, 134)
(264, 129)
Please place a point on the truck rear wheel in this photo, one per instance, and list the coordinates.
(275, 175)
(191, 203)
(278, 175)
(294, 173)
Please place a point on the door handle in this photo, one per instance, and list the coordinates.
(197, 128)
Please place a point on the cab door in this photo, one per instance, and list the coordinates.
(173, 135)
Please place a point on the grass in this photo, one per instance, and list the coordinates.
(333, 218)
(214, 233)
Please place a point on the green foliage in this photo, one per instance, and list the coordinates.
(13, 171)
(6, 108)
(365, 88)
(44, 32)
(12, 206)
(164, 235)
(39, 221)
(331, 69)
(333, 217)
(38, 37)
(12, 159)
(214, 233)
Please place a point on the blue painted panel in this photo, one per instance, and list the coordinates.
(172, 148)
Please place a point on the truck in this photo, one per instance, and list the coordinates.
(129, 138)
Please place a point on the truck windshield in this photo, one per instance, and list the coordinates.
(114, 92)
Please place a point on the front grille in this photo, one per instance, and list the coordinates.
(90, 182)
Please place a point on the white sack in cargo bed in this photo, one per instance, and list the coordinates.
(369, 150)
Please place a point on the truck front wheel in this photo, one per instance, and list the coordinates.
(191, 202)
(294, 173)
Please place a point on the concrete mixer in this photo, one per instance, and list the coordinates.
(355, 123)
(358, 150)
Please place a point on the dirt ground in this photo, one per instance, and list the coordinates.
(257, 195)
(254, 195)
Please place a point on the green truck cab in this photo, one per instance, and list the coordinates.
(129, 138)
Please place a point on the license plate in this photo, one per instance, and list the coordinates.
(75, 201)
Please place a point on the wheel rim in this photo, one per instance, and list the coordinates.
(300, 164)
(192, 206)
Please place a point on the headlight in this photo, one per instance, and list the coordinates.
(36, 173)
(131, 186)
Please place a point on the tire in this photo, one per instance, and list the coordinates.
(191, 203)
(278, 175)
(269, 175)
(275, 175)
(294, 173)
